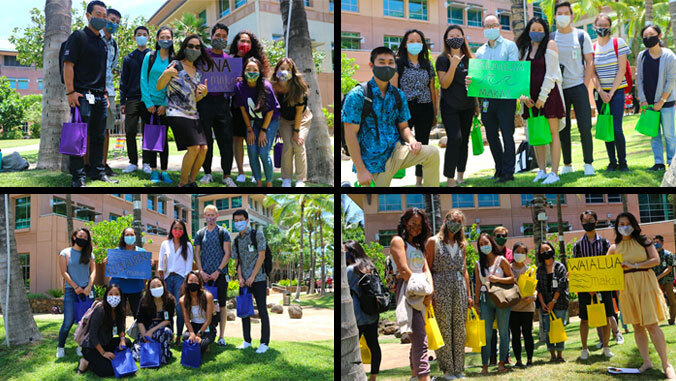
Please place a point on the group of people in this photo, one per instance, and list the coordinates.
(167, 86)
(440, 260)
(393, 132)
(177, 290)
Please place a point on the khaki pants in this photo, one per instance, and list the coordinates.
(292, 150)
(402, 157)
(669, 291)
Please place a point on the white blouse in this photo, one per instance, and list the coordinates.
(171, 260)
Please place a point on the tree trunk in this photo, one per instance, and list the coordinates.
(562, 245)
(318, 144)
(624, 202)
(433, 211)
(137, 225)
(312, 227)
(518, 22)
(539, 232)
(321, 238)
(648, 12)
(55, 109)
(300, 264)
(20, 326)
(69, 217)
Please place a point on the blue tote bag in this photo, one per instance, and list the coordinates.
(191, 355)
(245, 304)
(81, 304)
(150, 354)
(123, 363)
(212, 289)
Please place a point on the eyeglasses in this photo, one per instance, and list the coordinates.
(191, 46)
(491, 26)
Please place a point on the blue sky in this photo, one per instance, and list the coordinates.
(16, 13)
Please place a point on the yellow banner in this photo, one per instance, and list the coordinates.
(602, 273)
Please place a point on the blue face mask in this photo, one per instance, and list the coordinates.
(165, 44)
(130, 239)
(536, 36)
(141, 40)
(658, 245)
(240, 225)
(492, 34)
(486, 249)
(414, 48)
(112, 27)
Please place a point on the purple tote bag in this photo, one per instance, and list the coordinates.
(279, 147)
(74, 136)
(154, 136)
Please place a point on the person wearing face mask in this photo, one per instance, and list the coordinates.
(665, 275)
(78, 270)
(184, 89)
(590, 245)
(175, 262)
(500, 234)
(215, 115)
(155, 319)
(642, 302)
(552, 293)
(199, 306)
(84, 74)
(445, 254)
(577, 69)
(521, 317)
(655, 78)
(375, 115)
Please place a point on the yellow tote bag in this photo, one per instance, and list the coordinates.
(365, 351)
(527, 282)
(557, 334)
(596, 313)
(434, 339)
(495, 322)
(475, 331)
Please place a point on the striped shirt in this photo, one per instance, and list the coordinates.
(583, 248)
(605, 62)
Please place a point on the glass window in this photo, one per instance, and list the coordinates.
(392, 42)
(84, 213)
(22, 84)
(455, 15)
(224, 7)
(614, 197)
(223, 203)
(22, 213)
(548, 197)
(330, 5)
(487, 229)
(59, 206)
(463, 200)
(24, 263)
(553, 227)
(393, 8)
(350, 41)
(488, 200)
(184, 215)
(176, 212)
(504, 21)
(415, 200)
(128, 197)
(474, 17)
(417, 9)
(654, 207)
(349, 5)
(151, 202)
(12, 61)
(594, 198)
(203, 17)
(387, 202)
(385, 237)
(602, 224)
(113, 217)
(237, 202)
(12, 82)
(239, 3)
(307, 3)
(161, 206)
(39, 84)
(210, 202)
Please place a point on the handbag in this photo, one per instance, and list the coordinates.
(191, 355)
(649, 122)
(278, 149)
(538, 130)
(212, 289)
(596, 313)
(477, 139)
(154, 136)
(74, 136)
(475, 331)
(400, 174)
(132, 331)
(527, 282)
(503, 295)
(557, 334)
(365, 351)
(434, 338)
(245, 304)
(123, 363)
(150, 354)
(604, 125)
(81, 304)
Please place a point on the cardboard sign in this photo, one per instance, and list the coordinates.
(499, 79)
(128, 264)
(602, 273)
(223, 75)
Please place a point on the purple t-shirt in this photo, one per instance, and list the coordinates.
(246, 96)
(222, 55)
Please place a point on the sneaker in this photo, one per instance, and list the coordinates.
(599, 345)
(131, 168)
(241, 178)
(623, 167)
(155, 177)
(585, 354)
(540, 176)
(79, 351)
(611, 167)
(60, 353)
(300, 184)
(262, 349)
(657, 167)
(607, 352)
(588, 170)
(244, 345)
(551, 178)
(165, 178)
(206, 179)
(286, 183)
(109, 171)
(566, 169)
(620, 338)
(221, 342)
(146, 168)
(227, 180)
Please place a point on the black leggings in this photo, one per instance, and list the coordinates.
(100, 365)
(521, 322)
(370, 332)
(458, 124)
(421, 120)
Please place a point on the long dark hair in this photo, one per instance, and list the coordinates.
(157, 44)
(636, 234)
(362, 262)
(108, 309)
(261, 89)
(256, 51)
(148, 303)
(656, 28)
(464, 48)
(187, 298)
(297, 86)
(425, 232)
(203, 61)
(537, 252)
(523, 42)
(183, 240)
(86, 253)
(123, 244)
(483, 258)
(423, 56)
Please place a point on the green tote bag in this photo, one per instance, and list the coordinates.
(477, 140)
(649, 122)
(604, 125)
(538, 130)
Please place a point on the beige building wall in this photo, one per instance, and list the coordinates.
(259, 216)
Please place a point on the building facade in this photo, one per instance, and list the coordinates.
(259, 215)
(26, 80)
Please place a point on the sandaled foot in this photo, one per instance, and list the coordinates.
(669, 371)
(82, 366)
(645, 367)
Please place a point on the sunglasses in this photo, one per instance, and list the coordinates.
(191, 46)
(501, 236)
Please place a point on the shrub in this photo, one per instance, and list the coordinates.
(31, 295)
(55, 292)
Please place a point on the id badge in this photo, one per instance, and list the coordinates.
(485, 106)
(166, 315)
(91, 295)
(251, 248)
(574, 53)
(207, 331)
(555, 284)
(115, 331)
(664, 264)
(90, 98)
(483, 288)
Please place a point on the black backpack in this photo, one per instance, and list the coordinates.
(525, 157)
(373, 296)
(267, 262)
(221, 237)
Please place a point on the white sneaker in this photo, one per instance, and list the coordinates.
(551, 178)
(585, 354)
(79, 351)
(588, 170)
(131, 168)
(262, 349)
(253, 180)
(244, 345)
(227, 180)
(607, 352)
(146, 168)
(620, 338)
(286, 183)
(541, 175)
(60, 353)
(566, 169)
(300, 184)
(206, 179)
(599, 345)
(241, 178)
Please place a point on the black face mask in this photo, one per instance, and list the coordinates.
(548, 254)
(384, 73)
(193, 287)
(589, 226)
(651, 41)
(455, 42)
(602, 32)
(82, 242)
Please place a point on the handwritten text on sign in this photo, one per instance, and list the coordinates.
(223, 75)
(499, 79)
(602, 273)
(128, 264)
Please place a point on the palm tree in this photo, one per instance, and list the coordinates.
(20, 326)
(54, 105)
(518, 22)
(318, 144)
(69, 217)
(562, 245)
(190, 24)
(672, 20)
(648, 12)
(539, 233)
(137, 225)
(624, 202)
(433, 210)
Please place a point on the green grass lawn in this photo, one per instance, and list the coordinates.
(595, 368)
(18, 143)
(316, 300)
(283, 361)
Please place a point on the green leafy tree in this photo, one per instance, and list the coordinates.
(106, 235)
(347, 70)
(33, 113)
(190, 24)
(276, 50)
(11, 110)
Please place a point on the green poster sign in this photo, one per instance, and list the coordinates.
(499, 79)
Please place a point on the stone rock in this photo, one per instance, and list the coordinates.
(669, 179)
(389, 328)
(295, 311)
(443, 141)
(397, 334)
(405, 339)
(255, 321)
(437, 133)
(231, 316)
(270, 305)
(277, 309)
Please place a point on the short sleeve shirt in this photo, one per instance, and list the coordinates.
(89, 57)
(247, 254)
(584, 248)
(211, 252)
(606, 62)
(570, 58)
(111, 63)
(246, 96)
(666, 259)
(415, 82)
(181, 98)
(455, 96)
(79, 272)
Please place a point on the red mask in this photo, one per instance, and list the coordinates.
(177, 233)
(244, 48)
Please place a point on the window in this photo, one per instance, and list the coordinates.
(22, 213)
(486, 229)
(485, 200)
(223, 203)
(553, 227)
(591, 31)
(22, 84)
(349, 5)
(417, 9)
(59, 206)
(474, 17)
(24, 263)
(392, 42)
(176, 212)
(455, 15)
(527, 229)
(237, 202)
(654, 207)
(113, 217)
(602, 224)
(151, 202)
(210, 202)
(594, 198)
(183, 216)
(40, 84)
(330, 5)
(161, 206)
(118, 195)
(350, 41)
(224, 7)
(385, 236)
(203, 17)
(307, 3)
(128, 197)
(239, 3)
(84, 213)
(504, 21)
(463, 200)
(277, 37)
(614, 197)
(548, 197)
(12, 61)
(415, 200)
(393, 8)
(387, 202)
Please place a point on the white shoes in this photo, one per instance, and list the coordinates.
(551, 178)
(227, 180)
(262, 349)
(146, 168)
(60, 353)
(620, 338)
(244, 345)
(607, 352)
(206, 179)
(566, 169)
(79, 351)
(585, 354)
(286, 183)
(131, 168)
(300, 184)
(241, 178)
(588, 170)
(540, 176)
(599, 345)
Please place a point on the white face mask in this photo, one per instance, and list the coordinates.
(625, 230)
(562, 21)
(519, 257)
(157, 292)
(113, 300)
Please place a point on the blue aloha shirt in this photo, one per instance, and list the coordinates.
(375, 152)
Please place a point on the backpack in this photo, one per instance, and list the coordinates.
(82, 330)
(14, 163)
(267, 262)
(525, 157)
(627, 72)
(373, 296)
(580, 40)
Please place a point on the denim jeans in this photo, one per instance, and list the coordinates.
(95, 117)
(488, 313)
(667, 122)
(174, 283)
(256, 152)
(68, 315)
(544, 324)
(616, 105)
